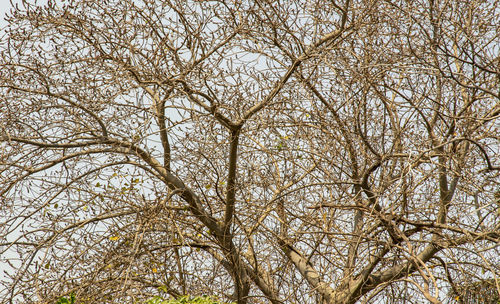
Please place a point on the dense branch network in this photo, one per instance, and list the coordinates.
(258, 151)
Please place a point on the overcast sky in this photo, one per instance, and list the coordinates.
(5, 7)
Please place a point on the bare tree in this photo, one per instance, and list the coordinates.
(258, 151)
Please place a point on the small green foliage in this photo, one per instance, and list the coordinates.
(64, 300)
(159, 300)
(156, 300)
(164, 288)
(185, 300)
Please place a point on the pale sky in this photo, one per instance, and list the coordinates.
(5, 6)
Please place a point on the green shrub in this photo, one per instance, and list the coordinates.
(185, 300)
(159, 300)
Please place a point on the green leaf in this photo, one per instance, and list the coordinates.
(163, 288)
(62, 300)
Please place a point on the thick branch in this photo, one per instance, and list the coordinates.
(231, 184)
(307, 271)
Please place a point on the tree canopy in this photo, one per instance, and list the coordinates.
(258, 151)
